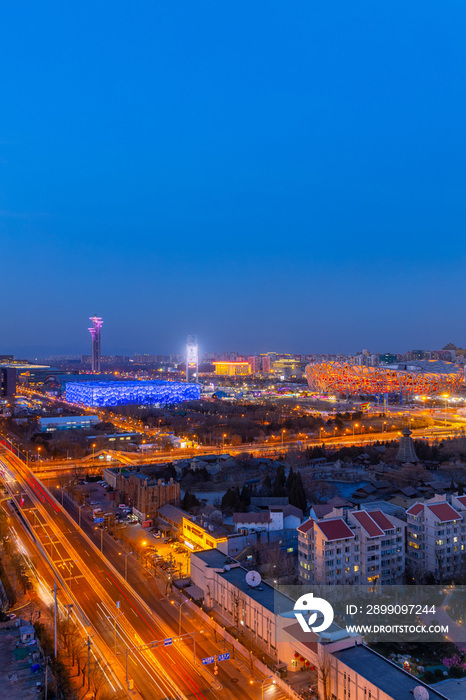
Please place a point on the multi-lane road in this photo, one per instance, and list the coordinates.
(99, 592)
(51, 468)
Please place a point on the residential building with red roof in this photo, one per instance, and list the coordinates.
(436, 537)
(382, 546)
(357, 547)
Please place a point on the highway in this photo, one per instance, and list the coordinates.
(51, 468)
(96, 586)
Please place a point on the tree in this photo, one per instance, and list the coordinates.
(245, 496)
(289, 481)
(98, 677)
(279, 482)
(297, 496)
(266, 489)
(189, 501)
(324, 668)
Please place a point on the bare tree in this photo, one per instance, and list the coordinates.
(98, 677)
(323, 669)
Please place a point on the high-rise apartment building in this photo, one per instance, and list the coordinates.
(266, 364)
(436, 533)
(360, 547)
(255, 363)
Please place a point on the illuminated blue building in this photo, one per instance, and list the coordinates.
(115, 393)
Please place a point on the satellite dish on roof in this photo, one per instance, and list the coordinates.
(227, 567)
(420, 693)
(253, 578)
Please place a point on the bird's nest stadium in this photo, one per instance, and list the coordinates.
(424, 377)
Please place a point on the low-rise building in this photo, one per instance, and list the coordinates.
(52, 423)
(147, 495)
(170, 519)
(265, 615)
(359, 673)
(231, 368)
(275, 519)
(203, 534)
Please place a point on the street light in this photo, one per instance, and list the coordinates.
(262, 684)
(180, 605)
(283, 435)
(93, 451)
(445, 396)
(223, 447)
(126, 563)
(115, 618)
(101, 539)
(79, 509)
(355, 425)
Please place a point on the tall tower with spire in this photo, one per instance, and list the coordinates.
(406, 451)
(95, 335)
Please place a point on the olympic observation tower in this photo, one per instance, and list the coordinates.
(95, 335)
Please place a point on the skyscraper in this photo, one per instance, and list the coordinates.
(95, 335)
(192, 358)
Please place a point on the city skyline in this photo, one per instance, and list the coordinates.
(232, 362)
(294, 181)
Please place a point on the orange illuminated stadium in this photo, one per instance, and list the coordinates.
(415, 377)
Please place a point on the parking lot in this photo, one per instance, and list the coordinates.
(163, 555)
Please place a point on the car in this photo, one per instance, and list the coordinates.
(11, 616)
(122, 506)
(94, 503)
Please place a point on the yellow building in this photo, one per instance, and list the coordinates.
(232, 369)
(200, 537)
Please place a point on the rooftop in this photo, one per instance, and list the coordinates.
(384, 674)
(444, 512)
(173, 513)
(415, 509)
(367, 523)
(251, 517)
(321, 510)
(305, 527)
(264, 594)
(382, 521)
(335, 529)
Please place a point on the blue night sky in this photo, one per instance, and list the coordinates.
(283, 176)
